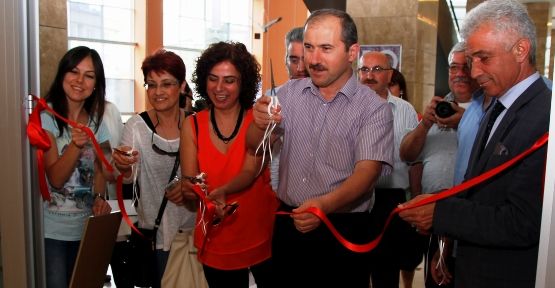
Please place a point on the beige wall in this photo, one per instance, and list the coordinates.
(413, 24)
(52, 39)
(540, 14)
(293, 13)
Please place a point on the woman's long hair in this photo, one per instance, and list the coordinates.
(94, 104)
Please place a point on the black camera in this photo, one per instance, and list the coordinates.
(444, 109)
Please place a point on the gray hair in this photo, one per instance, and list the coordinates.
(507, 16)
(294, 35)
(457, 48)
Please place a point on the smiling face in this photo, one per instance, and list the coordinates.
(499, 61)
(79, 82)
(373, 77)
(223, 85)
(460, 82)
(328, 60)
(163, 90)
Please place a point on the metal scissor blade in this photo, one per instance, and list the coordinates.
(273, 90)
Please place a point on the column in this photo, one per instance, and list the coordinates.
(52, 39)
(540, 14)
(414, 25)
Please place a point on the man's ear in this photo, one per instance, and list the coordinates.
(353, 52)
(521, 49)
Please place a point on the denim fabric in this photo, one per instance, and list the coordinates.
(60, 258)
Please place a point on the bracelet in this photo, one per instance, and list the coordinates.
(97, 195)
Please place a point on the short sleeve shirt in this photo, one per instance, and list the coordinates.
(70, 206)
(323, 140)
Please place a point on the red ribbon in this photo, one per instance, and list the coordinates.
(39, 138)
(361, 248)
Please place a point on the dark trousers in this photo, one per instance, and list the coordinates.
(316, 258)
(121, 270)
(449, 260)
(60, 257)
(401, 246)
(261, 272)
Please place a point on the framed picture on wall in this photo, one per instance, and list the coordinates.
(393, 52)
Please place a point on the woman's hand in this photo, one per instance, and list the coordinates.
(173, 192)
(189, 196)
(100, 206)
(218, 197)
(79, 138)
(124, 157)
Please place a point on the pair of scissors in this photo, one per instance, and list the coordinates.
(274, 103)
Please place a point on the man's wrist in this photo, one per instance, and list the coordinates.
(426, 124)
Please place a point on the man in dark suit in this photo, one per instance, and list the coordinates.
(497, 223)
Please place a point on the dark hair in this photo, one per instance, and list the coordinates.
(397, 78)
(349, 34)
(188, 93)
(164, 61)
(94, 104)
(244, 62)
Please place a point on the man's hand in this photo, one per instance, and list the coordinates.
(453, 120)
(260, 113)
(420, 217)
(306, 221)
(429, 116)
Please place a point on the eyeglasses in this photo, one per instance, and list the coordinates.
(229, 209)
(159, 151)
(376, 69)
(455, 68)
(165, 86)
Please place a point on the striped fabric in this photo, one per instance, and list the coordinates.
(324, 139)
(404, 121)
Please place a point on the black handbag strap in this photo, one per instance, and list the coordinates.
(158, 219)
(165, 199)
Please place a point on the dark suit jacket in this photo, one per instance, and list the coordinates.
(497, 223)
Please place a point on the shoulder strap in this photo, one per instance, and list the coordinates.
(196, 128)
(158, 220)
(165, 199)
(147, 120)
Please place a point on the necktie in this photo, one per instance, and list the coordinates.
(496, 110)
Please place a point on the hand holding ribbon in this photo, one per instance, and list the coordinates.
(429, 200)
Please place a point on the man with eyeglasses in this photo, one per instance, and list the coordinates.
(375, 72)
(497, 223)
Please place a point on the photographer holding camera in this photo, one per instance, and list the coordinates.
(434, 141)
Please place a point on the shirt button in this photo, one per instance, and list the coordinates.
(304, 180)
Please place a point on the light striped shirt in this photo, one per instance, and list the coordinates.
(404, 121)
(323, 140)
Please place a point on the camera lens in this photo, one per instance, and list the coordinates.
(444, 109)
